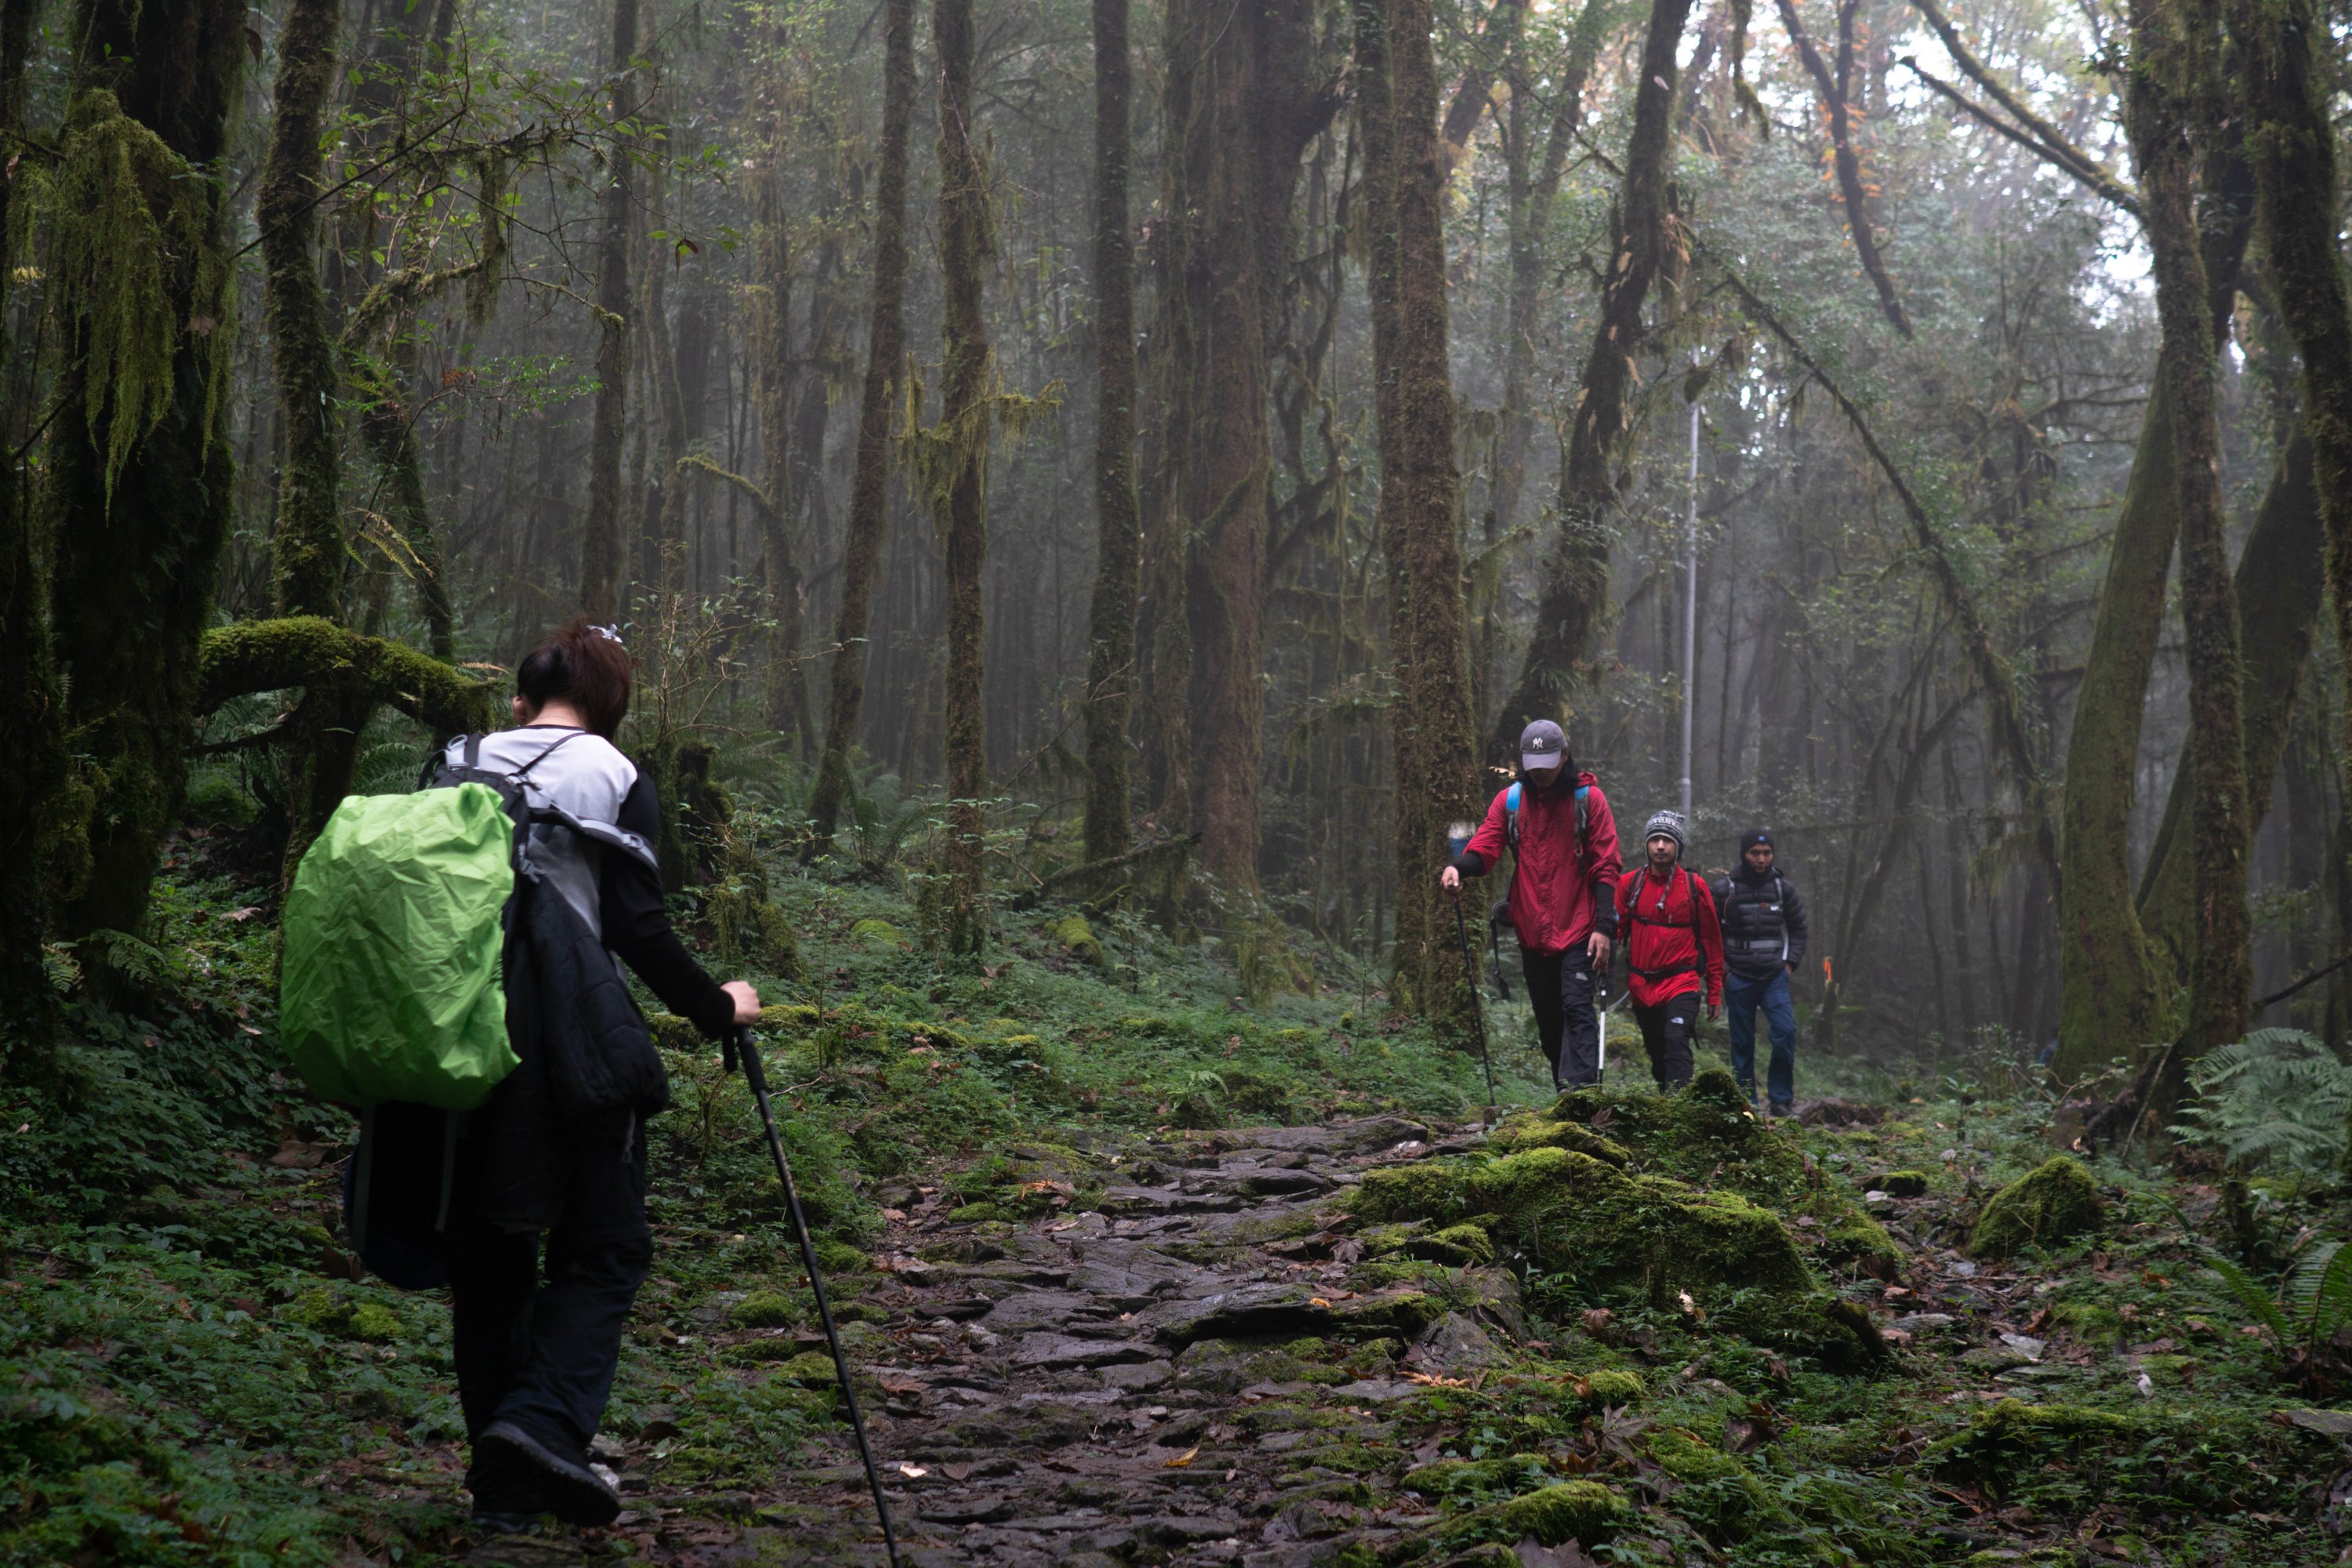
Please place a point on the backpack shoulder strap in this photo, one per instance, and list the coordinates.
(569, 736)
(1511, 815)
(1582, 790)
(473, 750)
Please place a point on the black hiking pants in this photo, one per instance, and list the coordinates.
(1559, 986)
(539, 1347)
(1666, 1030)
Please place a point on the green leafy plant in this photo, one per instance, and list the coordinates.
(2277, 1096)
(2311, 1316)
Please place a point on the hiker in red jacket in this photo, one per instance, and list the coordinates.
(1674, 949)
(1563, 899)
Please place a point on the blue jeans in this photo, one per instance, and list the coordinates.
(1741, 994)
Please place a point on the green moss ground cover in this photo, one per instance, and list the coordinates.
(189, 1373)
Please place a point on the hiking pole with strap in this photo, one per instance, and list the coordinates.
(741, 1044)
(1477, 1003)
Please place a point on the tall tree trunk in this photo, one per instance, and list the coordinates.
(1376, 133)
(388, 426)
(1236, 123)
(2289, 79)
(599, 532)
(1576, 584)
(869, 499)
(2112, 996)
(773, 375)
(2174, 44)
(1530, 198)
(1436, 745)
(35, 784)
(2281, 576)
(307, 550)
(1118, 523)
(958, 489)
(139, 525)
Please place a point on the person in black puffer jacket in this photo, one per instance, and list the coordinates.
(1763, 942)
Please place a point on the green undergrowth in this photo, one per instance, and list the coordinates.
(190, 1373)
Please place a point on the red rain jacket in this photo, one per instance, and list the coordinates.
(1660, 919)
(1554, 888)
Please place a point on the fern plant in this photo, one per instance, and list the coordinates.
(2278, 1096)
(2314, 1303)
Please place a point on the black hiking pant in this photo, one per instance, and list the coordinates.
(537, 1347)
(1559, 986)
(1666, 1031)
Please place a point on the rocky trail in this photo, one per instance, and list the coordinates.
(1113, 1387)
(1284, 1346)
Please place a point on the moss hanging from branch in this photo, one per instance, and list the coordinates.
(133, 232)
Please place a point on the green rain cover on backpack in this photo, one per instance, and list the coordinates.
(391, 987)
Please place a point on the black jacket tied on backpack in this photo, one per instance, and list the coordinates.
(1763, 923)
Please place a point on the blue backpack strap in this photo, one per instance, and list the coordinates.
(1511, 815)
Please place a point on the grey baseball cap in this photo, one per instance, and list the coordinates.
(1542, 744)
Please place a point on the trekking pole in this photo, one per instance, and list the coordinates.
(740, 1043)
(1477, 1004)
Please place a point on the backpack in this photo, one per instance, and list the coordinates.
(1511, 816)
(1696, 962)
(390, 988)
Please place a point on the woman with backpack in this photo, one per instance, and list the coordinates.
(537, 1330)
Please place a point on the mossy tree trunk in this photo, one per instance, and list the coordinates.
(37, 780)
(2287, 61)
(137, 544)
(2110, 1001)
(958, 490)
(1118, 523)
(600, 534)
(1436, 744)
(2281, 576)
(2113, 991)
(869, 498)
(2174, 48)
(1575, 583)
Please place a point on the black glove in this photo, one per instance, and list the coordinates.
(1499, 916)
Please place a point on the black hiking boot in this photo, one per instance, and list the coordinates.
(516, 1473)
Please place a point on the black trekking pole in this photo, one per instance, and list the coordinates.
(1477, 1003)
(740, 1043)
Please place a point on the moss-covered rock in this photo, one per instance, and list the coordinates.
(2057, 1201)
(765, 1309)
(1572, 1212)
(1903, 1184)
(1078, 938)
(1457, 1246)
(1522, 1132)
(1586, 1512)
(1502, 1473)
(373, 1324)
(2012, 1437)
(1718, 1494)
(1610, 1387)
(1857, 1238)
(877, 936)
